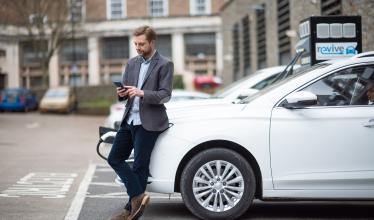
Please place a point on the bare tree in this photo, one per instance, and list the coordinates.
(46, 23)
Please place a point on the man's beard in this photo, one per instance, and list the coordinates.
(146, 54)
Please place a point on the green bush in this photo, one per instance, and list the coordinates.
(99, 103)
(178, 82)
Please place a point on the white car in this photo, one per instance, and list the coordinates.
(308, 137)
(238, 90)
(232, 93)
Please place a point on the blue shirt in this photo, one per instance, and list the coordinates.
(134, 115)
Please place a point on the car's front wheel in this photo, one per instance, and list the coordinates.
(218, 184)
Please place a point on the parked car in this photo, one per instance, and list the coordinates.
(117, 109)
(60, 99)
(18, 99)
(232, 93)
(238, 90)
(304, 138)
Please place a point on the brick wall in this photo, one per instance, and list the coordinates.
(179, 7)
(138, 8)
(95, 10)
(216, 5)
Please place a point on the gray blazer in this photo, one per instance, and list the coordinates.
(157, 87)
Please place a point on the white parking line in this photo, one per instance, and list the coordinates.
(78, 201)
(46, 185)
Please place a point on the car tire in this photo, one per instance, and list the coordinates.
(201, 176)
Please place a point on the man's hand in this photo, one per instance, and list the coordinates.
(122, 92)
(133, 91)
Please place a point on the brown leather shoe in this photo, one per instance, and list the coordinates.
(122, 216)
(138, 204)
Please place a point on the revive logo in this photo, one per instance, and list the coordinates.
(329, 51)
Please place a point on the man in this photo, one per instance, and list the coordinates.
(147, 84)
(370, 94)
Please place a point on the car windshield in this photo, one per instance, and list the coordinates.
(11, 92)
(222, 93)
(226, 91)
(56, 93)
(296, 73)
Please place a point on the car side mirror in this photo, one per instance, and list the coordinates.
(299, 99)
(247, 93)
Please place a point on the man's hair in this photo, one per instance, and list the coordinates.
(149, 33)
(370, 84)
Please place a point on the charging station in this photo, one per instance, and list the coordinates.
(329, 37)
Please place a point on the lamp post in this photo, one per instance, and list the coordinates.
(74, 68)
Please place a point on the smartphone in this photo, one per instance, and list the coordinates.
(118, 84)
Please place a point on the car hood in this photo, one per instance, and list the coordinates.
(54, 100)
(203, 112)
(195, 103)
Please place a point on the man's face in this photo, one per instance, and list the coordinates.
(370, 93)
(143, 47)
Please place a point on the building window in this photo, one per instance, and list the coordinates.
(246, 45)
(75, 80)
(115, 77)
(200, 45)
(200, 7)
(33, 52)
(331, 7)
(77, 10)
(116, 9)
(36, 81)
(200, 53)
(236, 51)
(76, 52)
(163, 44)
(284, 43)
(115, 48)
(158, 8)
(2, 53)
(261, 37)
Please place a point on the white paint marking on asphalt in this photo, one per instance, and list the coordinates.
(47, 185)
(78, 200)
(105, 184)
(114, 195)
(125, 196)
(33, 125)
(104, 170)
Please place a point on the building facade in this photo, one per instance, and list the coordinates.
(188, 33)
(263, 33)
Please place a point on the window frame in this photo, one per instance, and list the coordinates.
(82, 11)
(165, 5)
(109, 11)
(193, 7)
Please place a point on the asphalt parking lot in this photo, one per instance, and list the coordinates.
(49, 170)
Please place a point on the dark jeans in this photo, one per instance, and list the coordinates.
(142, 141)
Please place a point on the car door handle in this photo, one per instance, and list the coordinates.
(369, 124)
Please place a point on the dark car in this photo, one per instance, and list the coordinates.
(17, 99)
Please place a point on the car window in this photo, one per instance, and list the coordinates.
(264, 82)
(345, 87)
(275, 83)
(57, 93)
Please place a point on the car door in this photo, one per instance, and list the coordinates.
(329, 145)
